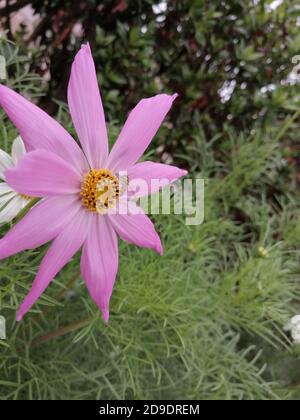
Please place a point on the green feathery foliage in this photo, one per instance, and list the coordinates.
(205, 321)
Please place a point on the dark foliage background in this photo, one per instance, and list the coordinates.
(193, 47)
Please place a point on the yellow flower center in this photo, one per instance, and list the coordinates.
(100, 190)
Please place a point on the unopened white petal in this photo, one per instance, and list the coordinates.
(5, 163)
(10, 211)
(4, 199)
(18, 149)
(5, 189)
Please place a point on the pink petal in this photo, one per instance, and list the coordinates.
(39, 130)
(136, 228)
(148, 177)
(86, 108)
(138, 131)
(41, 173)
(63, 248)
(99, 262)
(41, 224)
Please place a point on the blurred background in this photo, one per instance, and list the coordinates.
(208, 320)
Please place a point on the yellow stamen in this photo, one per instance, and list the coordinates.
(27, 197)
(100, 190)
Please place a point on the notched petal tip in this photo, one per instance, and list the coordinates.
(160, 251)
(105, 315)
(19, 316)
(163, 96)
(86, 49)
(159, 248)
(86, 46)
(83, 53)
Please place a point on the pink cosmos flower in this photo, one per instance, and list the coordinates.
(80, 188)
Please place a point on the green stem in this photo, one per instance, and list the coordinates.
(287, 125)
(74, 326)
(26, 209)
(58, 297)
